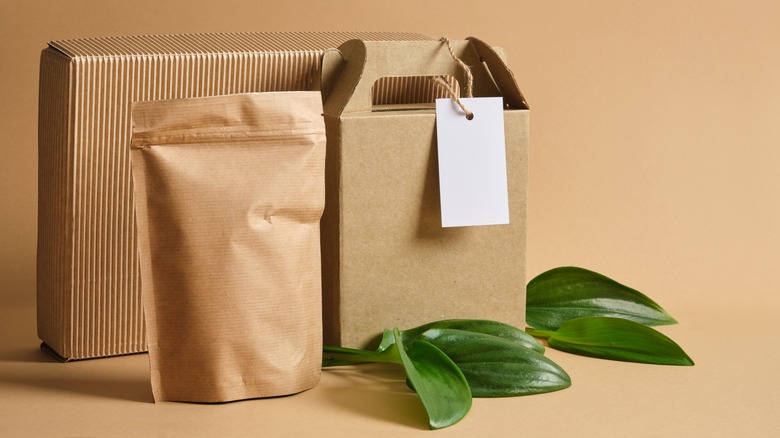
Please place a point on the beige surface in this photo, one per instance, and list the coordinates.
(730, 392)
(654, 159)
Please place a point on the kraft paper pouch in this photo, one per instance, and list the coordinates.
(229, 193)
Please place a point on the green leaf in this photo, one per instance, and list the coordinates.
(492, 328)
(495, 367)
(438, 381)
(566, 293)
(336, 356)
(617, 339)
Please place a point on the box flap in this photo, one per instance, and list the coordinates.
(352, 70)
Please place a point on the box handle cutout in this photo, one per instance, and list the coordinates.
(396, 93)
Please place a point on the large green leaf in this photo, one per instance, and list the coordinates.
(569, 292)
(615, 338)
(493, 328)
(440, 384)
(495, 367)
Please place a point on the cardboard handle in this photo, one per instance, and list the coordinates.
(502, 75)
(361, 63)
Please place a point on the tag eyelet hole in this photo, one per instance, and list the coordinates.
(470, 116)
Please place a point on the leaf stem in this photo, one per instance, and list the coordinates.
(538, 333)
(353, 355)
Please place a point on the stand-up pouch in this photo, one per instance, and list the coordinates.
(229, 193)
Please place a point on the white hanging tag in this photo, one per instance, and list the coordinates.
(472, 162)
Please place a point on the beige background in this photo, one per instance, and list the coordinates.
(654, 160)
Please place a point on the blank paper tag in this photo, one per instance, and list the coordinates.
(472, 162)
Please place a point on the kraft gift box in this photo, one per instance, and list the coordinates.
(387, 260)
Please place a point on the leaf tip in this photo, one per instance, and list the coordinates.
(686, 361)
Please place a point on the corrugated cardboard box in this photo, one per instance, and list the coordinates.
(89, 299)
(387, 261)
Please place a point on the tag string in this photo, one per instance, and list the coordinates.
(469, 80)
(466, 69)
(454, 95)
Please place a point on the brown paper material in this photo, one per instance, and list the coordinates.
(386, 259)
(89, 298)
(229, 194)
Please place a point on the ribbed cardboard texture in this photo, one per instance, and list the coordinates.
(89, 298)
(387, 261)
